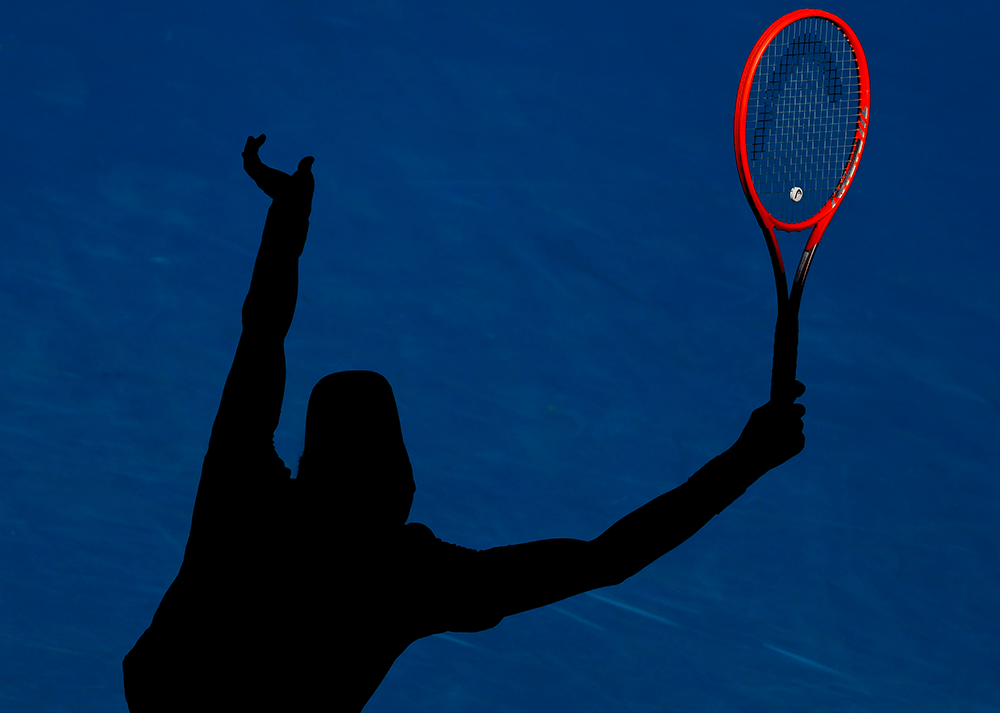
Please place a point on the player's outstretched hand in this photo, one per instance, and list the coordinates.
(773, 434)
(296, 189)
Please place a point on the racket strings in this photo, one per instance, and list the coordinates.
(801, 118)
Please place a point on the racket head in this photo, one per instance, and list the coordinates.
(802, 115)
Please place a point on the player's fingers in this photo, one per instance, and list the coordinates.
(798, 389)
(253, 145)
(306, 164)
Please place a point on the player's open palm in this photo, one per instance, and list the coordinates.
(295, 190)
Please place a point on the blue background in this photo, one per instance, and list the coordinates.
(528, 218)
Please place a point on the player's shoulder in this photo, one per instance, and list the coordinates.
(419, 535)
(418, 531)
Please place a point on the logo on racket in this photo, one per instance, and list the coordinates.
(795, 194)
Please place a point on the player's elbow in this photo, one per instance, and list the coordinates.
(619, 575)
(610, 568)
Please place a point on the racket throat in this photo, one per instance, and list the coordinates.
(806, 260)
(777, 264)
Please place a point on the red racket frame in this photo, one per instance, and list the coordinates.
(786, 330)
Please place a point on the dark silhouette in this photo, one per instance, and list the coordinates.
(298, 594)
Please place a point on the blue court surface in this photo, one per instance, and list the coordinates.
(528, 217)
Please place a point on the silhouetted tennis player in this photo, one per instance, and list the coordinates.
(298, 594)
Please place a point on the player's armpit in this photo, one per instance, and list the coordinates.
(251, 400)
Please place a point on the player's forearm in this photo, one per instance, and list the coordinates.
(648, 533)
(270, 302)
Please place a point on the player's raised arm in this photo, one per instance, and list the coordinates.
(251, 400)
(772, 436)
(534, 574)
(270, 302)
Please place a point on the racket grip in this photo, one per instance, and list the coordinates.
(786, 348)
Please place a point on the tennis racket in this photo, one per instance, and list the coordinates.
(802, 114)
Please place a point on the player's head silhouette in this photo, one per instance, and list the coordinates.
(354, 451)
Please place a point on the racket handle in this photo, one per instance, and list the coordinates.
(786, 348)
(786, 331)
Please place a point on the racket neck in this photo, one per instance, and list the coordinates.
(806, 260)
(777, 264)
(786, 331)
